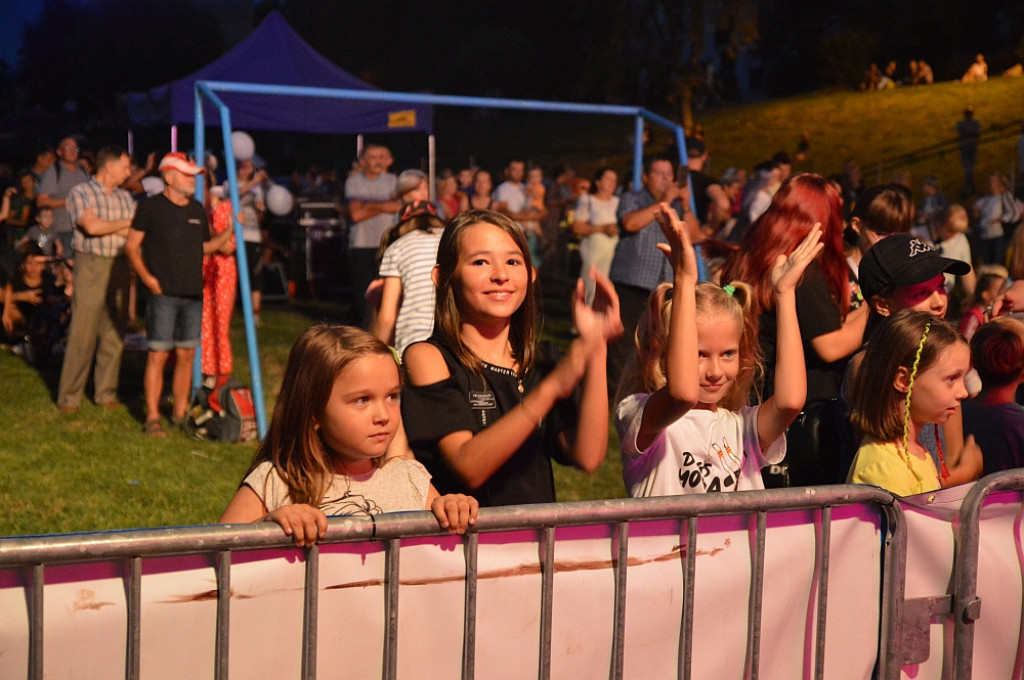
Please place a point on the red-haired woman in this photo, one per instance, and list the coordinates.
(832, 330)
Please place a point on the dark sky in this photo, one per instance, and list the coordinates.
(16, 13)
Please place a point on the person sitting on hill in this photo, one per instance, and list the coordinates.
(871, 77)
(977, 72)
(887, 81)
(924, 75)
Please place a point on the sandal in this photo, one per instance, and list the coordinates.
(153, 428)
(178, 422)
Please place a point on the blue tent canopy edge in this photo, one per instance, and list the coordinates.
(275, 54)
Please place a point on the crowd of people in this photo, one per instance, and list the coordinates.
(761, 328)
(918, 73)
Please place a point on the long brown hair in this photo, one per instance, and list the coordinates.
(447, 316)
(877, 408)
(293, 441)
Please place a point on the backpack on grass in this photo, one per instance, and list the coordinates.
(234, 422)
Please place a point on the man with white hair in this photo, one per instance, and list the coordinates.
(372, 205)
(56, 183)
(174, 228)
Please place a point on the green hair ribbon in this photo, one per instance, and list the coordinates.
(729, 290)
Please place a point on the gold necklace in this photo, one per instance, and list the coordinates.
(519, 378)
(511, 369)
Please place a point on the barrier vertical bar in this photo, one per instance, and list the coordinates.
(966, 603)
(222, 650)
(824, 555)
(35, 634)
(311, 593)
(470, 548)
(893, 589)
(686, 625)
(547, 541)
(133, 660)
(619, 627)
(756, 593)
(391, 583)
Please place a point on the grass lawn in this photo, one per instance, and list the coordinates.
(96, 470)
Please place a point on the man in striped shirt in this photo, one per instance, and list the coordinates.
(101, 213)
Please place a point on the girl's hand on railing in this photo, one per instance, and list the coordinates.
(455, 512)
(304, 523)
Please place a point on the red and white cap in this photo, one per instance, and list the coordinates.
(176, 160)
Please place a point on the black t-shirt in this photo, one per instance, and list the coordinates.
(47, 288)
(173, 247)
(701, 181)
(818, 314)
(467, 401)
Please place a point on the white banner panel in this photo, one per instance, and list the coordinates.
(932, 523)
(85, 619)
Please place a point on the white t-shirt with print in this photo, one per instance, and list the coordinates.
(703, 451)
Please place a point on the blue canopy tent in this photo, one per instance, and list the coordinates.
(274, 54)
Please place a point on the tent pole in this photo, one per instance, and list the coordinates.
(432, 165)
(199, 141)
(131, 143)
(174, 138)
(245, 292)
(359, 146)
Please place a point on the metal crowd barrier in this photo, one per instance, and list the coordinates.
(34, 555)
(966, 604)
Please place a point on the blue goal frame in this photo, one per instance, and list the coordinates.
(208, 89)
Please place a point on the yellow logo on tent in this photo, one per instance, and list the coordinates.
(398, 119)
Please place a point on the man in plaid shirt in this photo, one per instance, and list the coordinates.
(101, 213)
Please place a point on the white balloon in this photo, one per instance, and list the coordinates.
(153, 185)
(279, 200)
(242, 145)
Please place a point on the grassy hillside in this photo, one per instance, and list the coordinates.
(864, 126)
(869, 126)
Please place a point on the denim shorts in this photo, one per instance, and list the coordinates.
(173, 322)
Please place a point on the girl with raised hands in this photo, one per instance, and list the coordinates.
(683, 418)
